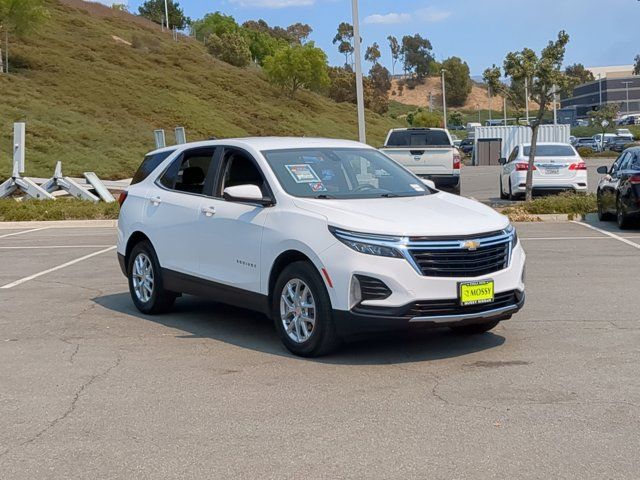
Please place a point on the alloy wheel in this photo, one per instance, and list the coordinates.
(298, 310)
(143, 278)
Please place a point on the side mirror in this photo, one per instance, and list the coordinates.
(429, 183)
(602, 170)
(246, 193)
(502, 161)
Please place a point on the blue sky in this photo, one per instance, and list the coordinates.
(479, 31)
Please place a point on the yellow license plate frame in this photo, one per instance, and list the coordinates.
(476, 293)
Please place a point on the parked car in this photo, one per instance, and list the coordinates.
(466, 146)
(619, 144)
(598, 139)
(582, 122)
(619, 190)
(624, 132)
(428, 153)
(585, 142)
(329, 238)
(457, 143)
(557, 167)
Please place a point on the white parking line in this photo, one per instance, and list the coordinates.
(564, 238)
(52, 246)
(23, 231)
(44, 272)
(612, 235)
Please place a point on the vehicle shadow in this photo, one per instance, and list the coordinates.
(200, 318)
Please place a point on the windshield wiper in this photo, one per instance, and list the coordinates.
(389, 195)
(324, 196)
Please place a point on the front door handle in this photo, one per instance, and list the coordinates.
(155, 201)
(209, 211)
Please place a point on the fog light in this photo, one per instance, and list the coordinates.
(355, 293)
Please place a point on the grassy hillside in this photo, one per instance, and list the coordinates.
(92, 85)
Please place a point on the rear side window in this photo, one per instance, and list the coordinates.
(189, 171)
(418, 138)
(149, 164)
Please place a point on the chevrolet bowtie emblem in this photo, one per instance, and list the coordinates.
(470, 245)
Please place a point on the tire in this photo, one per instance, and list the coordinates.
(622, 218)
(153, 298)
(503, 196)
(476, 328)
(602, 215)
(512, 196)
(300, 337)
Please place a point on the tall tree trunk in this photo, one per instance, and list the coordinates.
(1, 57)
(532, 157)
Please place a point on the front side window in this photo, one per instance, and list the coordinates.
(342, 173)
(240, 169)
(189, 171)
(551, 151)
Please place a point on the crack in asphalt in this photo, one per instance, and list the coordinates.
(68, 411)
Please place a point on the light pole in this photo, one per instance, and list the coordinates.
(504, 106)
(362, 134)
(444, 100)
(600, 88)
(555, 107)
(626, 86)
(478, 108)
(490, 113)
(166, 12)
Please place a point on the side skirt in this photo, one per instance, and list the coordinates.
(218, 292)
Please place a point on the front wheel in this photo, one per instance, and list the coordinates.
(302, 312)
(476, 328)
(622, 218)
(146, 285)
(603, 215)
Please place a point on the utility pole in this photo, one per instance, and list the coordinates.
(166, 12)
(430, 101)
(526, 95)
(504, 106)
(444, 100)
(362, 135)
(490, 113)
(626, 86)
(600, 88)
(555, 109)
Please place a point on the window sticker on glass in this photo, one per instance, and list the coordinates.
(417, 187)
(303, 173)
(318, 187)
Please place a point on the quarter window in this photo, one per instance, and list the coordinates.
(149, 164)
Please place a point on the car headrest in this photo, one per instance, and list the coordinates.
(192, 176)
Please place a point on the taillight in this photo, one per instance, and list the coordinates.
(634, 179)
(456, 160)
(122, 197)
(578, 166)
(523, 167)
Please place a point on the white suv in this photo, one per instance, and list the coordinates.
(329, 238)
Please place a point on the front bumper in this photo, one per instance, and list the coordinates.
(362, 321)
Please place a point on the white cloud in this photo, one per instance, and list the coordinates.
(273, 3)
(387, 19)
(429, 14)
(432, 14)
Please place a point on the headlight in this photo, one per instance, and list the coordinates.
(368, 244)
(511, 230)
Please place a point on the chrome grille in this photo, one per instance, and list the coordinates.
(465, 258)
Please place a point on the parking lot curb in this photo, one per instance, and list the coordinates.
(60, 224)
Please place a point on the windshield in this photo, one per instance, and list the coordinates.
(342, 173)
(418, 138)
(551, 151)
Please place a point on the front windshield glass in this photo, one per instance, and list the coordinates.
(551, 151)
(342, 173)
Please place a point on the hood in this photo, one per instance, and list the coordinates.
(439, 214)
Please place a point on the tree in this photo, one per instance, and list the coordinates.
(380, 79)
(543, 74)
(231, 48)
(299, 32)
(154, 10)
(458, 81)
(416, 52)
(395, 52)
(342, 88)
(604, 117)
(577, 75)
(424, 118)
(455, 118)
(19, 17)
(297, 66)
(214, 24)
(344, 39)
(372, 54)
(636, 66)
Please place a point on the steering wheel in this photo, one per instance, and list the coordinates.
(364, 186)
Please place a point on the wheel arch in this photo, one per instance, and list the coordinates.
(281, 262)
(135, 238)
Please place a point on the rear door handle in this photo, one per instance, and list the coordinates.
(155, 201)
(209, 211)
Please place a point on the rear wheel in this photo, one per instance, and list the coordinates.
(146, 285)
(622, 218)
(512, 196)
(603, 215)
(503, 196)
(476, 328)
(302, 312)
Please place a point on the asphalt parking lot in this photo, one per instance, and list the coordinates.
(481, 182)
(90, 388)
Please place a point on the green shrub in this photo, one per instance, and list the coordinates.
(60, 209)
(563, 203)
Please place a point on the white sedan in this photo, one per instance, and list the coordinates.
(557, 167)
